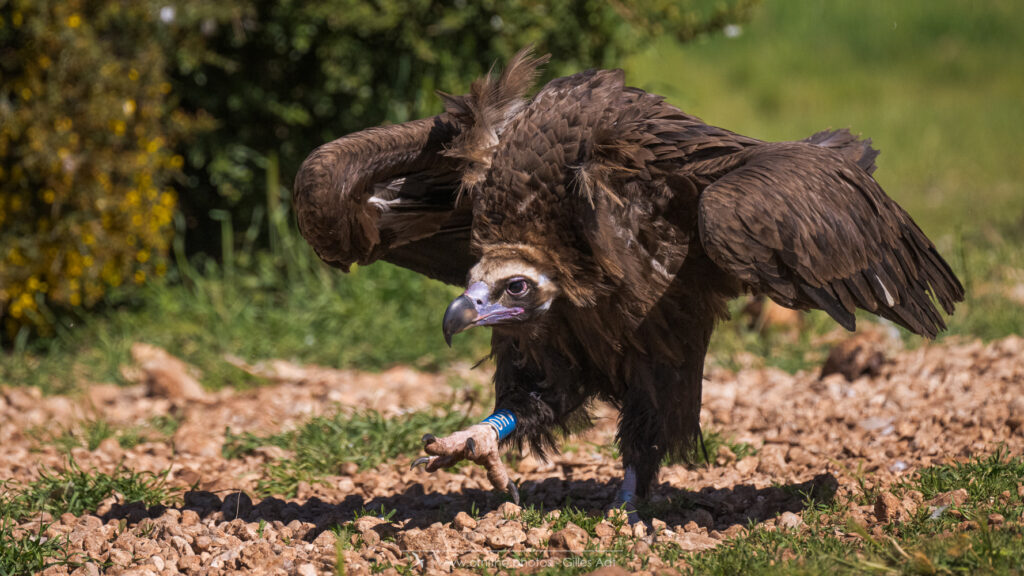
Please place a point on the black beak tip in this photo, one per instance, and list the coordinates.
(460, 315)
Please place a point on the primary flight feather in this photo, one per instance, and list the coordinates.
(600, 232)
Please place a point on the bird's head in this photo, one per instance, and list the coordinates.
(503, 290)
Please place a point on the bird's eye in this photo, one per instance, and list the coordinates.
(517, 287)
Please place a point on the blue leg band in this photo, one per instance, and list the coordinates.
(503, 422)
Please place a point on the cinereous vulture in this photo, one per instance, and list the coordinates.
(600, 232)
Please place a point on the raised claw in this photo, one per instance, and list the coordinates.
(471, 448)
(421, 461)
(514, 491)
(428, 438)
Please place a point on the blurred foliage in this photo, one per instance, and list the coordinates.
(86, 160)
(106, 104)
(284, 77)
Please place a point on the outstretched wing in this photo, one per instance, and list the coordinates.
(806, 225)
(387, 193)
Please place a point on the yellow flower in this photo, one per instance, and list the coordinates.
(75, 299)
(49, 196)
(74, 21)
(140, 276)
(118, 126)
(177, 161)
(128, 107)
(133, 74)
(142, 256)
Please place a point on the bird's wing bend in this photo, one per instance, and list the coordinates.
(387, 193)
(804, 224)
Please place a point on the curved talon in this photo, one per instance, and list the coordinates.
(471, 448)
(514, 491)
(421, 461)
(428, 438)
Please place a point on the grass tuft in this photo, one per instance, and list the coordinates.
(323, 444)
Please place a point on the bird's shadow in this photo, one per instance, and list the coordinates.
(713, 509)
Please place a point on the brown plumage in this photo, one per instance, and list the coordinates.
(601, 232)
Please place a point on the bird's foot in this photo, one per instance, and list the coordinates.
(625, 498)
(625, 503)
(479, 444)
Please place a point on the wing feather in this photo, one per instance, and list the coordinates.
(387, 193)
(804, 223)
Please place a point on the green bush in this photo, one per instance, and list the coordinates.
(86, 154)
(113, 111)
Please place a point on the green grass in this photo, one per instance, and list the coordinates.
(323, 444)
(90, 433)
(31, 553)
(922, 545)
(70, 490)
(78, 491)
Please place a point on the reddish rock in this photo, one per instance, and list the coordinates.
(569, 540)
(165, 375)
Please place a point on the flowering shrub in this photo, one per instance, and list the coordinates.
(86, 154)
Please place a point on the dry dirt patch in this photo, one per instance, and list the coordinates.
(826, 437)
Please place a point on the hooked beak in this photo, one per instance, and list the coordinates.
(473, 308)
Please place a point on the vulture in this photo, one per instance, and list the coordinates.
(600, 232)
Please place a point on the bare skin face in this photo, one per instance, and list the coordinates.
(501, 291)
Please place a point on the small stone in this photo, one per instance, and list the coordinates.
(189, 518)
(158, 563)
(509, 510)
(463, 521)
(203, 543)
(537, 536)
(995, 519)
(888, 508)
(691, 542)
(188, 564)
(954, 498)
(165, 375)
(640, 549)
(120, 557)
(571, 539)
(326, 539)
(639, 530)
(747, 465)
(505, 536)
(789, 521)
(605, 531)
(365, 523)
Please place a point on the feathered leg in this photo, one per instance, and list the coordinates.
(641, 443)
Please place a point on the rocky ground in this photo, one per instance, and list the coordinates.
(881, 414)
